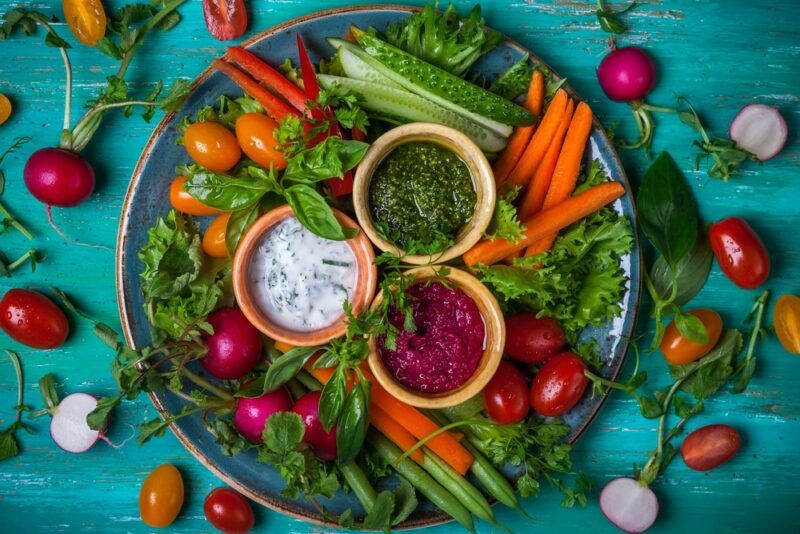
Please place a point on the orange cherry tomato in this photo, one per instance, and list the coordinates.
(255, 134)
(86, 19)
(5, 108)
(786, 320)
(214, 238)
(186, 203)
(212, 145)
(161, 496)
(679, 351)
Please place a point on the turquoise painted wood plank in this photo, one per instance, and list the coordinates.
(721, 54)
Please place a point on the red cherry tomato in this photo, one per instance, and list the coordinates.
(33, 319)
(559, 384)
(506, 395)
(225, 19)
(709, 447)
(740, 253)
(532, 339)
(228, 511)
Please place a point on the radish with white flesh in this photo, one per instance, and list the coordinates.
(759, 129)
(629, 504)
(68, 427)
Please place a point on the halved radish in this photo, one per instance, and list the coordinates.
(759, 129)
(629, 504)
(68, 427)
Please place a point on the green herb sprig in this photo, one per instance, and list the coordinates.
(9, 446)
(609, 20)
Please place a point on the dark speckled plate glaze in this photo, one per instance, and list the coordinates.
(146, 200)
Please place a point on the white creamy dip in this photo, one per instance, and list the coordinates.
(299, 279)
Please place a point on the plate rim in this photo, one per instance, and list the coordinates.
(120, 254)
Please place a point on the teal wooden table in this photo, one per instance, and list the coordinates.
(721, 54)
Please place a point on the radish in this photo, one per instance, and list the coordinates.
(629, 504)
(234, 349)
(251, 414)
(323, 443)
(759, 129)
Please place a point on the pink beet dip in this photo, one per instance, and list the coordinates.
(444, 350)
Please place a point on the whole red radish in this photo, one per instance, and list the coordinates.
(58, 177)
(323, 443)
(627, 74)
(559, 385)
(251, 414)
(234, 348)
(709, 447)
(33, 319)
(532, 339)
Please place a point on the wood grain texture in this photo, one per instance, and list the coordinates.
(722, 54)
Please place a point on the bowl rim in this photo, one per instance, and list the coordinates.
(494, 344)
(366, 280)
(461, 145)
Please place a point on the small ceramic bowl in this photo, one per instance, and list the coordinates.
(468, 151)
(366, 279)
(494, 343)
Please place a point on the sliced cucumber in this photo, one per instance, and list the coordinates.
(356, 68)
(410, 107)
(442, 87)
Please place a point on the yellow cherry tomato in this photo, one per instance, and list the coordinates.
(214, 238)
(86, 19)
(255, 132)
(5, 108)
(212, 145)
(186, 203)
(786, 320)
(679, 351)
(161, 496)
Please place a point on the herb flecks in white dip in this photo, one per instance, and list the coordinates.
(299, 279)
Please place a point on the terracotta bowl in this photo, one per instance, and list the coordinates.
(494, 343)
(366, 279)
(468, 151)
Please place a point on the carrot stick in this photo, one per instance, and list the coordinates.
(264, 73)
(283, 347)
(537, 190)
(522, 135)
(526, 166)
(274, 106)
(394, 431)
(546, 222)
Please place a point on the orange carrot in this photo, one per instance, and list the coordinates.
(527, 164)
(546, 222)
(394, 431)
(522, 135)
(274, 106)
(537, 189)
(283, 347)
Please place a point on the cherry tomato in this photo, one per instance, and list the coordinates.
(559, 384)
(740, 253)
(214, 238)
(161, 496)
(225, 19)
(86, 19)
(532, 339)
(506, 395)
(5, 108)
(709, 447)
(786, 320)
(212, 145)
(33, 319)
(678, 350)
(255, 134)
(186, 203)
(228, 511)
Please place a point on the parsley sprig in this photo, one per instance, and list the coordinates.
(9, 446)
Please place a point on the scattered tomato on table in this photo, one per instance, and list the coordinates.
(86, 19)
(161, 496)
(212, 146)
(740, 253)
(679, 350)
(5, 108)
(33, 319)
(786, 321)
(559, 385)
(709, 447)
(225, 19)
(506, 395)
(228, 511)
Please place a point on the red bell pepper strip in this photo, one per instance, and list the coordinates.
(274, 106)
(225, 19)
(264, 73)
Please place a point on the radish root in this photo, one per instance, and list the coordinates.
(68, 239)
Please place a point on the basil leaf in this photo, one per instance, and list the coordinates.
(223, 192)
(332, 401)
(691, 327)
(238, 223)
(283, 369)
(690, 273)
(667, 210)
(314, 213)
(354, 422)
(380, 515)
(329, 159)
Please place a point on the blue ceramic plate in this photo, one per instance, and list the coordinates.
(146, 200)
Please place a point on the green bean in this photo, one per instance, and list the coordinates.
(357, 480)
(460, 487)
(421, 480)
(308, 381)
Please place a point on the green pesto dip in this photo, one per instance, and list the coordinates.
(420, 197)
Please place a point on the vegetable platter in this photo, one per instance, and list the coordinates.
(598, 327)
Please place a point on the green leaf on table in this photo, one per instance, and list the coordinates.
(691, 273)
(98, 417)
(705, 376)
(176, 96)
